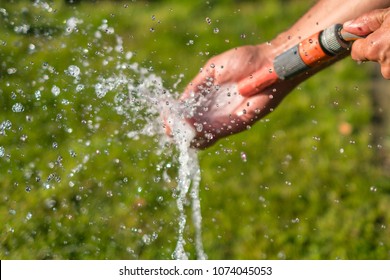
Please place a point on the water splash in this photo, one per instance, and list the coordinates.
(137, 94)
(158, 105)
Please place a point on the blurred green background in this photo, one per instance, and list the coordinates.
(74, 186)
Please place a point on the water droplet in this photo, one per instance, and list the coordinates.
(209, 136)
(28, 216)
(146, 239)
(216, 30)
(295, 221)
(55, 90)
(72, 153)
(31, 47)
(37, 95)
(2, 151)
(73, 71)
(282, 255)
(100, 90)
(71, 25)
(243, 157)
(11, 71)
(17, 108)
(208, 20)
(373, 189)
(50, 203)
(198, 127)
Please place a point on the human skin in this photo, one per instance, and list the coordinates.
(375, 25)
(238, 63)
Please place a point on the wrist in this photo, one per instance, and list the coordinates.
(284, 41)
(280, 44)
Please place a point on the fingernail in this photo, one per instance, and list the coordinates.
(349, 22)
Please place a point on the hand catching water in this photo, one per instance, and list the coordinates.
(218, 110)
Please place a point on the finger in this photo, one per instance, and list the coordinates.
(366, 23)
(258, 106)
(205, 76)
(257, 82)
(385, 70)
(373, 48)
(359, 50)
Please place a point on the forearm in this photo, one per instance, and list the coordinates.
(322, 15)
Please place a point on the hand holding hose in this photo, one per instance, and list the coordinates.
(244, 84)
(376, 46)
(240, 86)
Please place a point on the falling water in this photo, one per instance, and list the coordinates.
(188, 177)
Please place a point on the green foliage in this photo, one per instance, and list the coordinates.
(74, 186)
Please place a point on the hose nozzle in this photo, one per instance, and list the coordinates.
(313, 51)
(309, 53)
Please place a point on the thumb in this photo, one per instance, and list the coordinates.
(367, 23)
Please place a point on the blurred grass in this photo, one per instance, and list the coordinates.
(307, 191)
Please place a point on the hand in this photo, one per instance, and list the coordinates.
(376, 46)
(217, 108)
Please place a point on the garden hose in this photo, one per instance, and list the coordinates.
(309, 53)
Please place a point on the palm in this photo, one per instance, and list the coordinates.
(218, 109)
